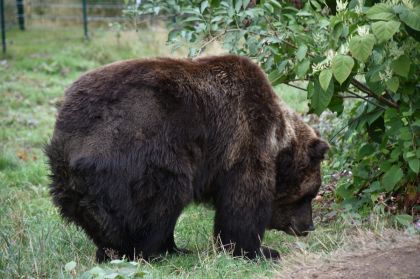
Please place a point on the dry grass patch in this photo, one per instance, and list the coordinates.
(387, 253)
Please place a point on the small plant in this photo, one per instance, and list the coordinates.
(117, 269)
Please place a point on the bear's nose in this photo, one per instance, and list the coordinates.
(310, 228)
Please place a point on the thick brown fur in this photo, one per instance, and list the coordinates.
(137, 141)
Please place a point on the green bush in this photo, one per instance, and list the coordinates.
(368, 54)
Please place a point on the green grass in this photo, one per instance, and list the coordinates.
(34, 240)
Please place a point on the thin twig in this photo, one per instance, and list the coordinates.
(351, 123)
(214, 38)
(297, 87)
(348, 97)
(342, 128)
(366, 99)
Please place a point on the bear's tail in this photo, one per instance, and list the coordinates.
(66, 189)
(58, 163)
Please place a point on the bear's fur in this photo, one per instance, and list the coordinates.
(137, 141)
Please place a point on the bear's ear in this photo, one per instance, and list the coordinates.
(317, 150)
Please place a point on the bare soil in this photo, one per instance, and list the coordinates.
(386, 257)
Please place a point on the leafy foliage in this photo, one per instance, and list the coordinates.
(369, 54)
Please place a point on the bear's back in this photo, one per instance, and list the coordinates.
(221, 100)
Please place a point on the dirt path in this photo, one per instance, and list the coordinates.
(390, 257)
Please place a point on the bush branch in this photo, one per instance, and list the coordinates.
(362, 87)
(365, 99)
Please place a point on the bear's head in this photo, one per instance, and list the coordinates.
(298, 179)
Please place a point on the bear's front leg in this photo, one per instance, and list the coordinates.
(243, 210)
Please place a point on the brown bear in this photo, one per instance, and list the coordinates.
(136, 141)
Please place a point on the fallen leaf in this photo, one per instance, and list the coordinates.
(22, 155)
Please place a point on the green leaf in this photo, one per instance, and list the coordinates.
(70, 266)
(97, 272)
(216, 19)
(405, 134)
(276, 4)
(393, 84)
(117, 262)
(361, 47)
(366, 150)
(320, 99)
(276, 77)
(301, 52)
(238, 5)
(302, 68)
(373, 187)
(414, 164)
(409, 154)
(401, 66)
(336, 105)
(215, 3)
(372, 116)
(380, 11)
(344, 191)
(335, 34)
(325, 79)
(374, 196)
(193, 52)
(303, 13)
(392, 177)
(385, 30)
(253, 46)
(411, 17)
(231, 40)
(172, 35)
(416, 126)
(269, 7)
(311, 89)
(192, 18)
(115, 275)
(204, 5)
(140, 274)
(404, 219)
(342, 66)
(361, 171)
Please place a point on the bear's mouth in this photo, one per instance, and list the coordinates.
(291, 230)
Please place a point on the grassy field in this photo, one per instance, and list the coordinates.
(34, 240)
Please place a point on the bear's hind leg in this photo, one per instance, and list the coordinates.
(155, 238)
(155, 235)
(173, 249)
